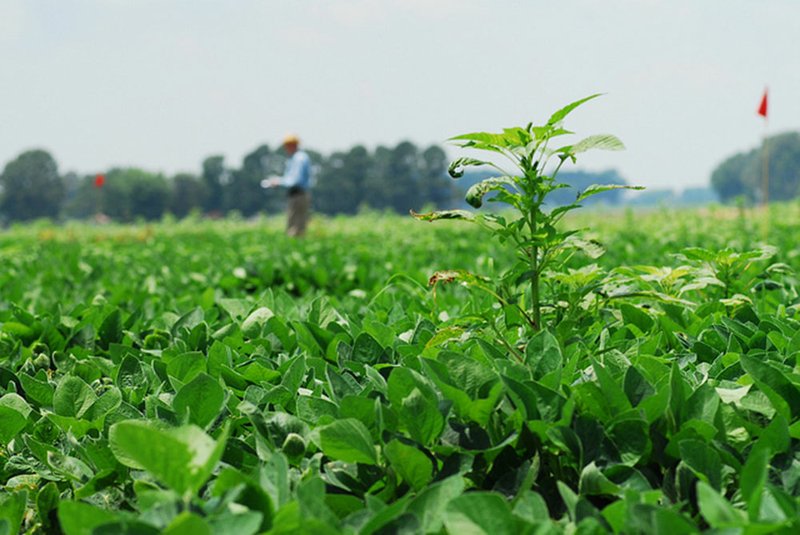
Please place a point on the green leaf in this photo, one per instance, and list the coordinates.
(47, 501)
(12, 509)
(182, 457)
(456, 169)
(559, 116)
(753, 479)
(254, 324)
(187, 523)
(716, 509)
(476, 192)
(445, 214)
(346, 440)
(417, 405)
(430, 504)
(202, 398)
(594, 482)
(784, 395)
(594, 189)
(111, 329)
(478, 139)
(14, 411)
(410, 463)
(78, 518)
(484, 513)
(543, 355)
(73, 397)
(703, 460)
(598, 141)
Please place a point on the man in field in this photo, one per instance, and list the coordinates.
(297, 179)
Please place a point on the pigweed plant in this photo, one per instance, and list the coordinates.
(529, 225)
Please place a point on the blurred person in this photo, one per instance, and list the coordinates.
(297, 180)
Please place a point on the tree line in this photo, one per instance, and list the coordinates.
(741, 175)
(388, 178)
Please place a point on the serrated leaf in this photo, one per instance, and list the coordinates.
(594, 189)
(598, 141)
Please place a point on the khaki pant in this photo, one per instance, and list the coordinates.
(297, 213)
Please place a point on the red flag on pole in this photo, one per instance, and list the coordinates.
(99, 180)
(762, 109)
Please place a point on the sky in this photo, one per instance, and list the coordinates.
(162, 84)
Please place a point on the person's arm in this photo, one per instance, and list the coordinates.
(293, 173)
(291, 176)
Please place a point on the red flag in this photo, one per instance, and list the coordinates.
(762, 109)
(99, 180)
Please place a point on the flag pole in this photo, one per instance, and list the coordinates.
(762, 110)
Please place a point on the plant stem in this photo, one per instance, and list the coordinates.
(537, 318)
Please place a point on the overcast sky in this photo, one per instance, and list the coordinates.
(161, 84)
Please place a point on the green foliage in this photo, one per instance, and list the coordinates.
(531, 229)
(741, 174)
(184, 378)
(30, 187)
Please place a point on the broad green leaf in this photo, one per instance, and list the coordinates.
(47, 500)
(254, 324)
(181, 457)
(346, 440)
(594, 482)
(78, 518)
(14, 411)
(716, 509)
(202, 398)
(784, 395)
(37, 389)
(543, 355)
(187, 523)
(246, 523)
(73, 397)
(430, 504)
(12, 509)
(480, 513)
(111, 329)
(703, 460)
(410, 463)
(416, 404)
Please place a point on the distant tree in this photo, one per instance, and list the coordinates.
(340, 181)
(188, 193)
(741, 174)
(403, 181)
(435, 185)
(335, 191)
(728, 179)
(215, 176)
(130, 193)
(82, 198)
(244, 192)
(377, 187)
(31, 187)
